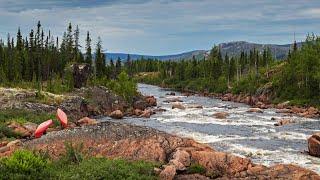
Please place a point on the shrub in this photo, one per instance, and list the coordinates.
(23, 165)
(124, 87)
(196, 168)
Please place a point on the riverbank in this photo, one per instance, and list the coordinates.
(262, 101)
(22, 110)
(177, 155)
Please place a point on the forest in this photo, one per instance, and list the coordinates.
(45, 62)
(296, 78)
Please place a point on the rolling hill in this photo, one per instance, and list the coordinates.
(232, 48)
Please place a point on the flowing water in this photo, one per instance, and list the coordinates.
(245, 134)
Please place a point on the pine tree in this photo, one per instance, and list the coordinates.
(118, 67)
(88, 58)
(99, 66)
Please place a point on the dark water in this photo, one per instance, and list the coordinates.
(245, 134)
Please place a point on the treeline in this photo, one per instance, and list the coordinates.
(45, 62)
(214, 73)
(41, 57)
(296, 78)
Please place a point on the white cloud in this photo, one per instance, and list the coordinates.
(160, 27)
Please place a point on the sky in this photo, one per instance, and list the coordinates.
(160, 27)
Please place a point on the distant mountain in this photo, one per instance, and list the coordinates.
(235, 48)
(232, 48)
(186, 55)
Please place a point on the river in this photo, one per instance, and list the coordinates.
(251, 135)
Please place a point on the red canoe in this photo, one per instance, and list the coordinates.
(62, 117)
(42, 128)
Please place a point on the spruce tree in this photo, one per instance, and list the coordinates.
(88, 58)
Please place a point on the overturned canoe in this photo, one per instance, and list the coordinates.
(42, 128)
(62, 117)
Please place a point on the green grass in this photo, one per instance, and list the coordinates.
(29, 165)
(196, 168)
(20, 116)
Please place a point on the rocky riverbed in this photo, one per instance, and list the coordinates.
(114, 140)
(234, 127)
(239, 142)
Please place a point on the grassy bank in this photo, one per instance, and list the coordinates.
(73, 165)
(20, 116)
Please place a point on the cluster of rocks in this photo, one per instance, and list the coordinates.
(114, 140)
(263, 102)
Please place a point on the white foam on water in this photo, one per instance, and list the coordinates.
(283, 156)
(289, 135)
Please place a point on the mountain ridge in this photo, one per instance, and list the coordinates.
(233, 48)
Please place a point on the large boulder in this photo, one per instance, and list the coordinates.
(168, 173)
(117, 114)
(255, 110)
(221, 115)
(151, 100)
(178, 106)
(314, 145)
(87, 121)
(181, 160)
(81, 73)
(282, 122)
(146, 113)
(19, 129)
(140, 104)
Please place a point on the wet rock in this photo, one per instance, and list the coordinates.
(140, 104)
(19, 129)
(196, 106)
(282, 122)
(137, 112)
(87, 121)
(187, 94)
(159, 110)
(178, 106)
(151, 100)
(171, 94)
(255, 110)
(168, 173)
(146, 113)
(314, 145)
(117, 114)
(171, 100)
(221, 115)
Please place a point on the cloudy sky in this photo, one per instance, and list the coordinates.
(159, 27)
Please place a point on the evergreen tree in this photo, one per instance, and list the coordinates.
(88, 58)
